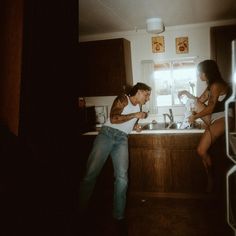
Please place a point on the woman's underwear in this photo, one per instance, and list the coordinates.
(217, 115)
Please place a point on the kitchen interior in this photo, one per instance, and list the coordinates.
(119, 42)
(46, 137)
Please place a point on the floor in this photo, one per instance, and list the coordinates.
(176, 217)
(161, 216)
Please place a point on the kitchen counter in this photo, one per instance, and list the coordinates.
(161, 131)
(153, 119)
(165, 161)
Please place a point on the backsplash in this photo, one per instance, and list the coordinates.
(178, 111)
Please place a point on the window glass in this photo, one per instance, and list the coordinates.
(171, 77)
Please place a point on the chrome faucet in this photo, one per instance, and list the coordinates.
(170, 116)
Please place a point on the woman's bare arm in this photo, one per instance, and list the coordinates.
(203, 98)
(215, 91)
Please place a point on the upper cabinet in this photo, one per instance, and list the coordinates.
(104, 67)
(221, 38)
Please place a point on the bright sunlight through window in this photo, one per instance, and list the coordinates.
(171, 77)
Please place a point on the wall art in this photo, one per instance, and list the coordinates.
(181, 45)
(158, 44)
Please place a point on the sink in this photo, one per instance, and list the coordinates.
(164, 126)
(154, 126)
(174, 125)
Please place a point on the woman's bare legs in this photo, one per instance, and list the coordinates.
(208, 138)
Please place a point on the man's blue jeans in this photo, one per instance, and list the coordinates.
(111, 142)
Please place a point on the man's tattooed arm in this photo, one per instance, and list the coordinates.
(117, 107)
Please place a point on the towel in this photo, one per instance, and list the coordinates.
(189, 108)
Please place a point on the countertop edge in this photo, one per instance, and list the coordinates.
(171, 131)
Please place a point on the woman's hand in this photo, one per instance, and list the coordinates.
(191, 119)
(183, 92)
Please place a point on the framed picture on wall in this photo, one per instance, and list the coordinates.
(181, 44)
(158, 44)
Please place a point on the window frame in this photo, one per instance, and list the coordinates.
(170, 63)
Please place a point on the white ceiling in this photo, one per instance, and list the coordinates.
(105, 16)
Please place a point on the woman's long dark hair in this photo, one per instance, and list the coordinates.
(211, 70)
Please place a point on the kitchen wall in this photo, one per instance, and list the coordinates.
(141, 49)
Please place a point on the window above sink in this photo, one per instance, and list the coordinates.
(167, 78)
(171, 77)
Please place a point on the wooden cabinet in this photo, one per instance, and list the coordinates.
(165, 163)
(104, 67)
(168, 163)
(221, 38)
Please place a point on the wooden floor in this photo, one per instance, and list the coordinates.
(178, 215)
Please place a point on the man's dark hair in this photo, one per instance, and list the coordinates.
(139, 86)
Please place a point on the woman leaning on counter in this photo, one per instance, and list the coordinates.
(210, 108)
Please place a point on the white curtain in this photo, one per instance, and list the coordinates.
(147, 67)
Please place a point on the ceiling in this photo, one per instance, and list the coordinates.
(105, 16)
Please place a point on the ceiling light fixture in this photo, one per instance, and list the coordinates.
(155, 25)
